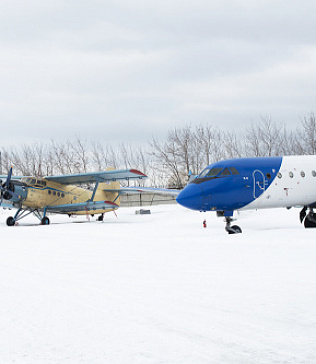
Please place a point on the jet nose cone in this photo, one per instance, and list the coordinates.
(190, 197)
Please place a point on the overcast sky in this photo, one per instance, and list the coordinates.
(129, 70)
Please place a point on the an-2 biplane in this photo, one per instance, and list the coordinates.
(62, 194)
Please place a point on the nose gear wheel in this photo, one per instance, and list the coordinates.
(235, 229)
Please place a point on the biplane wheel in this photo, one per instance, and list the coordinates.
(45, 221)
(10, 221)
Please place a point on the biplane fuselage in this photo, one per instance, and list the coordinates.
(41, 193)
(64, 194)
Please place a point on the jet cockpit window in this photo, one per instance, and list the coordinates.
(213, 172)
(225, 172)
(204, 173)
(234, 171)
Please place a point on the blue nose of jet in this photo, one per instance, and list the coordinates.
(191, 197)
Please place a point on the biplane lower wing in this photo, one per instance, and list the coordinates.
(148, 190)
(82, 207)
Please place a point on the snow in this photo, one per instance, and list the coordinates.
(158, 288)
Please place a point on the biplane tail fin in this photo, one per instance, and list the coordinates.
(109, 192)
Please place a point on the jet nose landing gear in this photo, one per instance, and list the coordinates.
(235, 229)
(231, 229)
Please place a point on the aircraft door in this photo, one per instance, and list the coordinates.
(259, 183)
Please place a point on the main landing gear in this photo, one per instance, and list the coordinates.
(101, 217)
(309, 219)
(21, 214)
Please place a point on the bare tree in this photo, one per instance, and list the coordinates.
(270, 136)
(80, 155)
(307, 136)
(169, 161)
(167, 158)
(99, 156)
(253, 147)
(232, 145)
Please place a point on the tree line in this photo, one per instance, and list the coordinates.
(167, 162)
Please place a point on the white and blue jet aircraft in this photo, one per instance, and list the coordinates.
(254, 183)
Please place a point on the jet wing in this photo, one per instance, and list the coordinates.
(106, 176)
(83, 206)
(148, 190)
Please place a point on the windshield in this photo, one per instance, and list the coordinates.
(33, 182)
(210, 172)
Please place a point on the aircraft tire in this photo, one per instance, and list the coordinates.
(235, 229)
(308, 223)
(10, 221)
(45, 221)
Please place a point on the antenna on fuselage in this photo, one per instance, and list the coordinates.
(191, 176)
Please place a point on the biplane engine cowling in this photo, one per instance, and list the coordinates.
(19, 193)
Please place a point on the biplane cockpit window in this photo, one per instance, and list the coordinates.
(27, 181)
(34, 182)
(40, 183)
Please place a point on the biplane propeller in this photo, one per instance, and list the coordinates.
(7, 188)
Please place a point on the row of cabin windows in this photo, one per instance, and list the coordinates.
(291, 174)
(54, 193)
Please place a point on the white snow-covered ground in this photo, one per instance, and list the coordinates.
(158, 288)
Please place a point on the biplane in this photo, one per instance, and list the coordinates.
(64, 194)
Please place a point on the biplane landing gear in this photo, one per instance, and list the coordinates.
(101, 217)
(235, 229)
(21, 214)
(10, 221)
(45, 221)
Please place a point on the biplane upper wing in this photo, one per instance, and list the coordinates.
(5, 176)
(106, 176)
